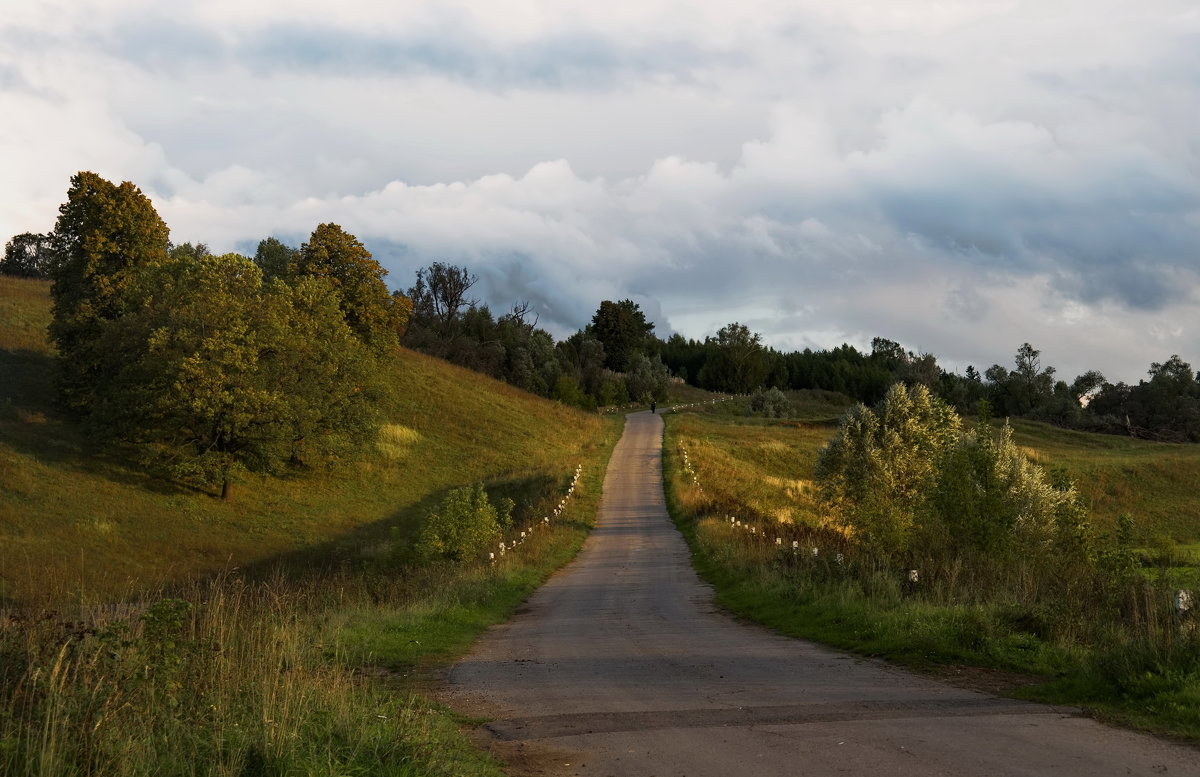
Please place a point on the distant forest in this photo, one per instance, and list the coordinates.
(616, 359)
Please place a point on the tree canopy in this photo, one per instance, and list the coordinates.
(908, 480)
(333, 254)
(623, 330)
(28, 255)
(439, 297)
(737, 360)
(213, 373)
(103, 234)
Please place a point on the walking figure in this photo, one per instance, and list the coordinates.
(653, 405)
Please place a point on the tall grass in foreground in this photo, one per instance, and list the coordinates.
(246, 678)
(230, 679)
(1103, 633)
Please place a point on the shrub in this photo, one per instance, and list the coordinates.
(990, 497)
(770, 403)
(905, 474)
(880, 468)
(463, 526)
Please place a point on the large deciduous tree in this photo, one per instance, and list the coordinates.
(439, 297)
(103, 234)
(336, 255)
(217, 374)
(273, 257)
(737, 360)
(1026, 389)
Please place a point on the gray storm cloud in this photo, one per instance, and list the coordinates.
(961, 178)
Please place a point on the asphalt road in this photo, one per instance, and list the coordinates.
(621, 665)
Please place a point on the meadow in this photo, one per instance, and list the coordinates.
(742, 490)
(148, 627)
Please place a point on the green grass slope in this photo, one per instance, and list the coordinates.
(767, 466)
(1153, 482)
(86, 525)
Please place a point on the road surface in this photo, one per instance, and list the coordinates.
(621, 665)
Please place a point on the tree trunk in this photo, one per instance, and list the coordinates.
(226, 490)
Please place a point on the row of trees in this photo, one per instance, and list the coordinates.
(609, 362)
(212, 364)
(105, 232)
(1164, 407)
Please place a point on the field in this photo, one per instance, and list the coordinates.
(147, 627)
(1153, 482)
(1103, 640)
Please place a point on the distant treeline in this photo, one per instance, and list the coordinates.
(614, 360)
(1165, 407)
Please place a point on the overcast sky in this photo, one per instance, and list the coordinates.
(960, 177)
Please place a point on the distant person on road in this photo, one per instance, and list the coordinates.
(653, 405)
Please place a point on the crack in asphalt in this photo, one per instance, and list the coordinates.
(574, 724)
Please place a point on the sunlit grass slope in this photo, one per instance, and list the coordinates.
(1154, 482)
(89, 525)
(767, 466)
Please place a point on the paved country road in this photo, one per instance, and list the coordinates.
(621, 665)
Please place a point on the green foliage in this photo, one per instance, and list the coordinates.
(1165, 407)
(737, 361)
(463, 526)
(330, 386)
(274, 258)
(340, 258)
(28, 255)
(568, 391)
(623, 329)
(770, 403)
(881, 467)
(647, 379)
(213, 374)
(103, 235)
(1026, 388)
(907, 479)
(989, 497)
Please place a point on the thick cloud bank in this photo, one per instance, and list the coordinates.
(959, 176)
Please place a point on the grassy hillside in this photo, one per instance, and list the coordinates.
(767, 466)
(1153, 482)
(227, 670)
(84, 524)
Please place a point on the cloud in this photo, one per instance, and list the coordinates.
(961, 178)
